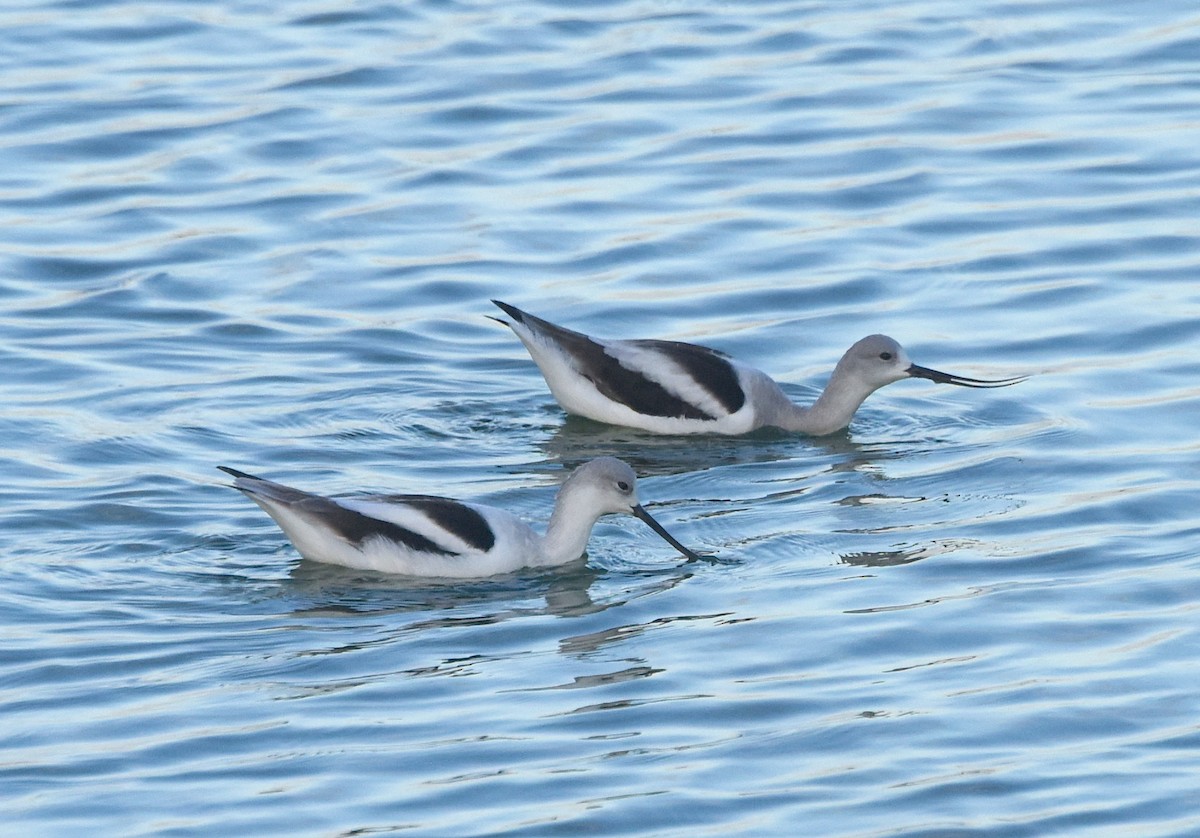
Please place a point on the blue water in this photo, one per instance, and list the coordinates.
(265, 235)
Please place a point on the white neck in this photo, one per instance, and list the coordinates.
(832, 410)
(569, 529)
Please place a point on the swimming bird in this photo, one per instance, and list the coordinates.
(668, 387)
(421, 535)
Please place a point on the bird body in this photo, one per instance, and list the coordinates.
(424, 535)
(669, 387)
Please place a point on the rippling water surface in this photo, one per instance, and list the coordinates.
(266, 235)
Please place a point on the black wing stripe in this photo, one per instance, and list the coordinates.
(452, 516)
(628, 387)
(709, 368)
(358, 528)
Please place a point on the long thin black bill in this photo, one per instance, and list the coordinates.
(960, 380)
(640, 512)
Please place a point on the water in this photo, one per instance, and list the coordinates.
(265, 235)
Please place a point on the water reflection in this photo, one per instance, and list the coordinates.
(585, 644)
(574, 590)
(335, 611)
(603, 679)
(329, 590)
(970, 593)
(891, 558)
(578, 440)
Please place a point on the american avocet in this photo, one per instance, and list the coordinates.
(421, 535)
(668, 387)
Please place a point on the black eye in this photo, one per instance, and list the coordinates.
(885, 356)
(622, 485)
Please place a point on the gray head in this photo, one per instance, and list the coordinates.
(874, 361)
(877, 360)
(609, 486)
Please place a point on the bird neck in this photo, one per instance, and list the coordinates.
(832, 410)
(568, 532)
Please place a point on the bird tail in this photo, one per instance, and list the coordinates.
(259, 487)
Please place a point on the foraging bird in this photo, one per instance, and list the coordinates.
(668, 387)
(420, 535)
